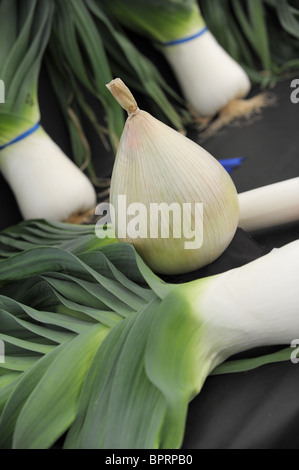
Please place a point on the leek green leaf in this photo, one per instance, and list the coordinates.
(73, 238)
(249, 32)
(243, 365)
(256, 13)
(163, 21)
(23, 388)
(286, 15)
(54, 335)
(107, 318)
(6, 390)
(117, 392)
(51, 407)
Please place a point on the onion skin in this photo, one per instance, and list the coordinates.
(156, 164)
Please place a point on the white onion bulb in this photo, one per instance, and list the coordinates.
(156, 164)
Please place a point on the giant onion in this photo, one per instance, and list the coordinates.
(156, 165)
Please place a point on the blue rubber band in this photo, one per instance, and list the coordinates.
(182, 40)
(22, 136)
(231, 163)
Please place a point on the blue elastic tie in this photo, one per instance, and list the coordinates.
(180, 41)
(231, 163)
(22, 136)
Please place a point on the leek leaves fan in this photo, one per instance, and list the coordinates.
(52, 329)
(70, 237)
(98, 350)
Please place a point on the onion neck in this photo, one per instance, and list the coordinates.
(123, 96)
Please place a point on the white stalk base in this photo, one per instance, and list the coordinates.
(209, 77)
(45, 182)
(254, 305)
(269, 206)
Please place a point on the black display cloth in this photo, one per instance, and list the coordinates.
(251, 410)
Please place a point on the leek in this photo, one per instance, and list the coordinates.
(167, 352)
(45, 182)
(114, 362)
(269, 206)
(209, 78)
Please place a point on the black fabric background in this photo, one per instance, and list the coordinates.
(252, 410)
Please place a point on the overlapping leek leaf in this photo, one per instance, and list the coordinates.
(53, 349)
(111, 384)
(73, 238)
(162, 371)
(38, 426)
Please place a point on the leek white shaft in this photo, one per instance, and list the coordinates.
(45, 182)
(209, 77)
(255, 305)
(270, 206)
